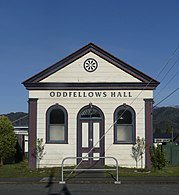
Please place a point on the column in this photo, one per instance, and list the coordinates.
(148, 130)
(32, 131)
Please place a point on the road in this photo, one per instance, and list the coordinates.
(90, 189)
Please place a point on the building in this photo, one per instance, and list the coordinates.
(22, 138)
(20, 125)
(90, 104)
(164, 138)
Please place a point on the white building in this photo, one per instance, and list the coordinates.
(90, 104)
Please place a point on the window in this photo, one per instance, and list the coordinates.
(124, 127)
(57, 124)
(90, 113)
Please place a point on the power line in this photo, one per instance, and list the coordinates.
(167, 83)
(19, 119)
(170, 69)
(166, 97)
(169, 59)
(175, 51)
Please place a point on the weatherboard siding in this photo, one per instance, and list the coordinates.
(56, 152)
(74, 72)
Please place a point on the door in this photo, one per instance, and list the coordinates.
(90, 137)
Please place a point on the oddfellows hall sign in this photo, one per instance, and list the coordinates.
(90, 94)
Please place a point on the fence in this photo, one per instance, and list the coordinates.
(171, 151)
(96, 169)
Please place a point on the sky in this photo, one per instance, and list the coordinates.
(38, 33)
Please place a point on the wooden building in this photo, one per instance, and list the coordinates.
(90, 104)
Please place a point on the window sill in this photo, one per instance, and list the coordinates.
(56, 142)
(123, 143)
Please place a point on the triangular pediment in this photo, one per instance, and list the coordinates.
(92, 67)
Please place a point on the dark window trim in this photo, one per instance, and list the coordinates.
(129, 108)
(79, 135)
(65, 141)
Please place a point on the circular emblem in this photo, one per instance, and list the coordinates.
(90, 65)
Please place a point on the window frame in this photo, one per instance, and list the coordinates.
(131, 110)
(48, 141)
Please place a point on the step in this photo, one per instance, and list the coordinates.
(90, 177)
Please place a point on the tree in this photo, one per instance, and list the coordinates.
(39, 151)
(8, 139)
(138, 150)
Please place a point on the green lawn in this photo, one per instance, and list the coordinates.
(21, 170)
(167, 171)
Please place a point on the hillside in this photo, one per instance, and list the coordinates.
(18, 118)
(166, 118)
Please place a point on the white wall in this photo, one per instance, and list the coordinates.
(56, 152)
(106, 72)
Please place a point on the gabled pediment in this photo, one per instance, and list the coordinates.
(90, 67)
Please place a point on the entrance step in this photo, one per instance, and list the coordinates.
(90, 177)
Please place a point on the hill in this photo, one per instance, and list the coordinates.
(18, 118)
(166, 118)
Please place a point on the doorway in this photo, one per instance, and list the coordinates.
(90, 136)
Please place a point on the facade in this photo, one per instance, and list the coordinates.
(90, 104)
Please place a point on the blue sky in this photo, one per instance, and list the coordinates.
(37, 33)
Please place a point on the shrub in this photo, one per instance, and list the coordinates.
(39, 151)
(138, 151)
(157, 157)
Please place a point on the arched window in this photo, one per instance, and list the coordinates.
(57, 131)
(124, 127)
(90, 113)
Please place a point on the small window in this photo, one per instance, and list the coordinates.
(57, 125)
(124, 127)
(90, 113)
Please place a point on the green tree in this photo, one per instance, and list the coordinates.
(8, 139)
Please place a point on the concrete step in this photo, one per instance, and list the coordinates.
(90, 177)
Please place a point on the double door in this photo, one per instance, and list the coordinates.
(91, 142)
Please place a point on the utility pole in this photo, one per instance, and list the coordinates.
(172, 134)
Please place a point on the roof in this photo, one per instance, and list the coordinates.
(146, 81)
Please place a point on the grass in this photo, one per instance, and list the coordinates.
(21, 170)
(169, 171)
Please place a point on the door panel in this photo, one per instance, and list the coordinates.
(96, 134)
(85, 155)
(91, 142)
(90, 129)
(96, 156)
(85, 134)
